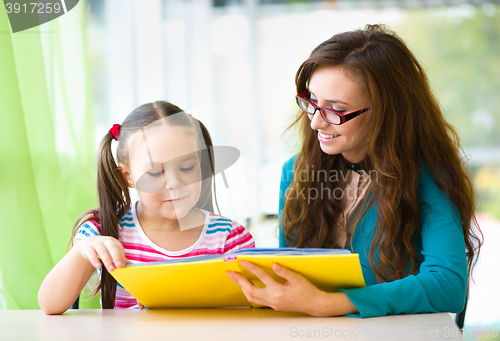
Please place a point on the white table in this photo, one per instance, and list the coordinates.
(218, 324)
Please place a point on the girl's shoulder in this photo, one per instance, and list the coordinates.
(90, 227)
(215, 220)
(217, 223)
(93, 223)
(234, 235)
(128, 217)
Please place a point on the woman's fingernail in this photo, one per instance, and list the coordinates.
(277, 267)
(229, 273)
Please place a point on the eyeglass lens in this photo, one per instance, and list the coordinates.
(328, 115)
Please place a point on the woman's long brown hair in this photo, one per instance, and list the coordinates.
(404, 129)
(113, 192)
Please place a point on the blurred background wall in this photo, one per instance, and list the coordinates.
(232, 65)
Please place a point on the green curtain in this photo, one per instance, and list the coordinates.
(47, 149)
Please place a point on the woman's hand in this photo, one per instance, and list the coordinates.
(297, 294)
(109, 250)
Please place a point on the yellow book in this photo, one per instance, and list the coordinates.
(199, 282)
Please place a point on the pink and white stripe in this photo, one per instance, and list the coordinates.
(220, 235)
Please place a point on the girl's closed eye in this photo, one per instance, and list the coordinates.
(155, 171)
(159, 173)
(187, 169)
(155, 174)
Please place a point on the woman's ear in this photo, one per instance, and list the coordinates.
(127, 175)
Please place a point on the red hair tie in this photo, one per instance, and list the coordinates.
(192, 118)
(115, 131)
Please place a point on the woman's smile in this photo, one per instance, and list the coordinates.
(325, 138)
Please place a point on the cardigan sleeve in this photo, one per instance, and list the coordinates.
(441, 283)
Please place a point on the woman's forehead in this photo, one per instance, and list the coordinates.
(336, 83)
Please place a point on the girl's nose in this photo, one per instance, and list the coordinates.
(171, 180)
(172, 184)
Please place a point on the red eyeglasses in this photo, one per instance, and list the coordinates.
(329, 115)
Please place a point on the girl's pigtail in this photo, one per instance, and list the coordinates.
(208, 173)
(114, 202)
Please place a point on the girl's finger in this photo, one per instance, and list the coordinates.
(105, 257)
(93, 258)
(117, 253)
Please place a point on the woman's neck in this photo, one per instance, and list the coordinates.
(354, 156)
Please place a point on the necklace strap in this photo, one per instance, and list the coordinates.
(357, 167)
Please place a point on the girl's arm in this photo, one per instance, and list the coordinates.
(297, 294)
(66, 280)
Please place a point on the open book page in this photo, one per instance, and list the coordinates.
(202, 281)
(290, 251)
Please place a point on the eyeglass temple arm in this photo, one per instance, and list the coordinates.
(352, 115)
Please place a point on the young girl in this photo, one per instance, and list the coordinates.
(167, 156)
(380, 172)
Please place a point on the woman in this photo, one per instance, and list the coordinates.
(380, 172)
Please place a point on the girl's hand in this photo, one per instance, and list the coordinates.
(109, 250)
(141, 306)
(297, 294)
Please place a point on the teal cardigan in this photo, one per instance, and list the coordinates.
(441, 282)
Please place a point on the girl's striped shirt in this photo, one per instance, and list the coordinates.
(220, 235)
